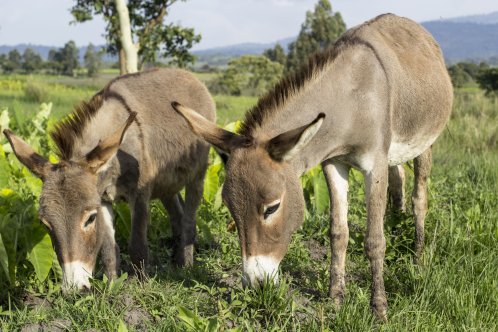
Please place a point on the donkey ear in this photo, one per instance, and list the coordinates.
(108, 147)
(27, 156)
(287, 145)
(222, 139)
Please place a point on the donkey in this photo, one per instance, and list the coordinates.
(125, 143)
(380, 96)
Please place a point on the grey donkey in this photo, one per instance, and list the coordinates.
(380, 96)
(125, 143)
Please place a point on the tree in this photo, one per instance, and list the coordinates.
(68, 57)
(249, 75)
(320, 29)
(13, 61)
(488, 80)
(147, 20)
(93, 60)
(276, 54)
(32, 61)
(459, 77)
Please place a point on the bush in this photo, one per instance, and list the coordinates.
(35, 92)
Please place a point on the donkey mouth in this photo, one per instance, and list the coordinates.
(76, 276)
(258, 270)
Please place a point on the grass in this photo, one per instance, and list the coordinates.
(455, 288)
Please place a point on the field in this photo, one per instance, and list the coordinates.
(455, 287)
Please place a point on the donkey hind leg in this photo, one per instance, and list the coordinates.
(193, 195)
(138, 243)
(174, 206)
(397, 187)
(110, 250)
(336, 175)
(422, 169)
(375, 242)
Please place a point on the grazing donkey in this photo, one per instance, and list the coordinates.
(378, 98)
(126, 143)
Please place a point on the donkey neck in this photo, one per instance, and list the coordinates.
(315, 97)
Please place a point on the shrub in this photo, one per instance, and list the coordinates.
(35, 92)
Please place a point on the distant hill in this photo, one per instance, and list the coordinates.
(461, 38)
(472, 37)
(491, 18)
(465, 41)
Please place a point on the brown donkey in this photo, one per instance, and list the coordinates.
(378, 98)
(126, 143)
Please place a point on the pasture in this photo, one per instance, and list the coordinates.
(455, 288)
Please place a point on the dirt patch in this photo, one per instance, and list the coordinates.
(36, 303)
(317, 251)
(32, 328)
(136, 318)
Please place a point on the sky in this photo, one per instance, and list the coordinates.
(221, 22)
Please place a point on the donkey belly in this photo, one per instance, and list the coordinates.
(402, 151)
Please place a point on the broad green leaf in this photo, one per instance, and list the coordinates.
(321, 193)
(187, 316)
(41, 257)
(4, 120)
(4, 260)
(211, 182)
(122, 327)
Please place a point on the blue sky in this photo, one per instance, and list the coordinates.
(221, 22)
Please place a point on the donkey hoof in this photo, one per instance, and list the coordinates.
(337, 296)
(379, 309)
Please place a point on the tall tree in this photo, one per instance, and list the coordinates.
(93, 60)
(13, 62)
(125, 38)
(32, 61)
(152, 36)
(320, 29)
(276, 54)
(66, 59)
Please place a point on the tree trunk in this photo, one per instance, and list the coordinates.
(122, 62)
(130, 50)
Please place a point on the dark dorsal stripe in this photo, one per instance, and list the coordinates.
(293, 83)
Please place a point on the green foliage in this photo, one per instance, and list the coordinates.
(147, 18)
(32, 61)
(35, 92)
(25, 242)
(465, 73)
(13, 62)
(93, 61)
(248, 75)
(488, 80)
(276, 54)
(320, 30)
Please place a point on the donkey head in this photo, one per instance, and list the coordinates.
(70, 204)
(261, 189)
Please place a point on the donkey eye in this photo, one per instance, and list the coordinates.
(90, 219)
(270, 210)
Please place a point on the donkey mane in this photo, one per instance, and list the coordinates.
(292, 83)
(69, 129)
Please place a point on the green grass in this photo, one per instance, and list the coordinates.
(454, 289)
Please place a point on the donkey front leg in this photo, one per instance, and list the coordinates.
(138, 243)
(397, 187)
(174, 206)
(193, 195)
(375, 242)
(110, 250)
(336, 175)
(422, 168)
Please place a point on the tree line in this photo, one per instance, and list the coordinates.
(62, 61)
